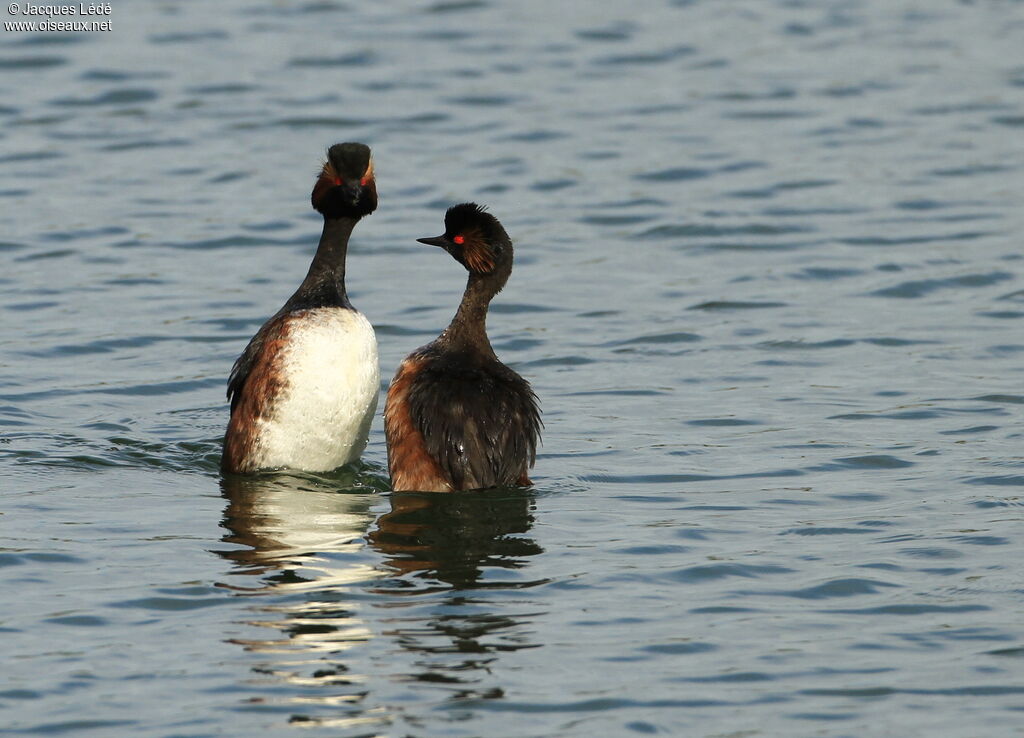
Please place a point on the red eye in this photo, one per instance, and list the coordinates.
(338, 181)
(364, 181)
(459, 240)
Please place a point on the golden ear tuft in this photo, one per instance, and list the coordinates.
(328, 178)
(367, 175)
(477, 256)
(331, 174)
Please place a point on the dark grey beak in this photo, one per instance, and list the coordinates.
(351, 193)
(435, 241)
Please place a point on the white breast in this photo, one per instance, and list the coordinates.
(331, 383)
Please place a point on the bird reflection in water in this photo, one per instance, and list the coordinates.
(431, 581)
(454, 536)
(454, 554)
(304, 541)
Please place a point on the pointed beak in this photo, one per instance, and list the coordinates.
(351, 193)
(435, 241)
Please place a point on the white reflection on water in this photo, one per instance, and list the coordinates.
(332, 578)
(302, 542)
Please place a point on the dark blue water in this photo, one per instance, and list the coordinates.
(768, 287)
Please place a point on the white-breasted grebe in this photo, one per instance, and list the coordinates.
(304, 391)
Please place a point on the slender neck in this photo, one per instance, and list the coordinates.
(330, 254)
(468, 329)
(324, 284)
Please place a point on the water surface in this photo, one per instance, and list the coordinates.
(768, 288)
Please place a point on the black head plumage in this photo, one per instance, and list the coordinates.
(346, 186)
(476, 239)
(469, 215)
(349, 160)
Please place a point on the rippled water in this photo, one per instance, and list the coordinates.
(768, 287)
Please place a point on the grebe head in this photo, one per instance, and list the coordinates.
(346, 187)
(476, 239)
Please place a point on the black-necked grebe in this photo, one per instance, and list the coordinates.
(456, 418)
(305, 389)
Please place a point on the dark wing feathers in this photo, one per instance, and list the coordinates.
(481, 425)
(244, 363)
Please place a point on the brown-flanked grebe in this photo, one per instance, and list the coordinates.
(305, 389)
(456, 418)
